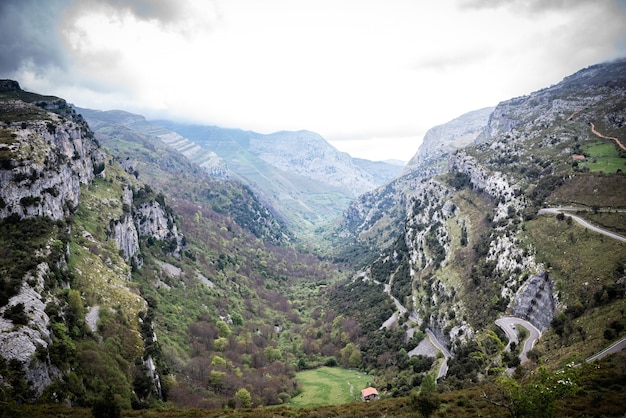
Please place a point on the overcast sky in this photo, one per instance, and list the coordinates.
(369, 76)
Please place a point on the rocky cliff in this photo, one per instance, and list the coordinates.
(442, 140)
(307, 154)
(46, 153)
(58, 193)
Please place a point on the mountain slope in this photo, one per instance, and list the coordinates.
(152, 157)
(126, 293)
(369, 222)
(472, 247)
(298, 173)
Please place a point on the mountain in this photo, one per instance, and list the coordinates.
(475, 243)
(133, 277)
(299, 174)
(127, 272)
(151, 155)
(443, 140)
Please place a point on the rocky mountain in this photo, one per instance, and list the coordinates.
(142, 147)
(472, 246)
(44, 159)
(105, 121)
(306, 180)
(49, 157)
(372, 216)
(442, 140)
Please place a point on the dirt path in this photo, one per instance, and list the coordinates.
(612, 138)
(577, 111)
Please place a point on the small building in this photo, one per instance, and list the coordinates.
(369, 394)
(577, 157)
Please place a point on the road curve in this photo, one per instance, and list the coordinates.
(508, 325)
(556, 211)
(443, 370)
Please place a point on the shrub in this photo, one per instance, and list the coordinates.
(16, 314)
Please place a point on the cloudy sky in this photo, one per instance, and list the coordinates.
(370, 76)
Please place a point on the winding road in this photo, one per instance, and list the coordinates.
(509, 325)
(556, 211)
(443, 370)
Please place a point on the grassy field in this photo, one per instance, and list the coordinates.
(329, 386)
(603, 156)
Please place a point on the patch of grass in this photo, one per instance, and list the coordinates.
(591, 190)
(603, 157)
(329, 386)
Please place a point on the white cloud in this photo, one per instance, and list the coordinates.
(379, 72)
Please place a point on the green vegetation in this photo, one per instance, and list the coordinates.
(586, 267)
(23, 245)
(329, 386)
(602, 156)
(597, 388)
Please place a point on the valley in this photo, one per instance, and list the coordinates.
(152, 268)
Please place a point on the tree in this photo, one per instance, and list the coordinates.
(272, 354)
(106, 407)
(237, 319)
(223, 329)
(350, 356)
(215, 380)
(243, 396)
(429, 384)
(426, 401)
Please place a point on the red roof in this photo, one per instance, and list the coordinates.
(368, 392)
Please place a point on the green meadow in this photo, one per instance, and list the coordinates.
(329, 386)
(603, 156)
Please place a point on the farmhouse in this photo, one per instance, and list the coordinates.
(369, 394)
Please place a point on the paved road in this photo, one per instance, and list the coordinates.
(556, 211)
(613, 348)
(401, 310)
(509, 326)
(443, 370)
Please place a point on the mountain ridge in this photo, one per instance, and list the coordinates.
(303, 190)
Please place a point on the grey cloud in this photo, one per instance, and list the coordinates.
(527, 6)
(29, 34)
(31, 30)
(165, 11)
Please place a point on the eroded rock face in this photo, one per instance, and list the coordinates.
(124, 233)
(149, 219)
(21, 342)
(535, 301)
(43, 161)
(444, 139)
(152, 220)
(309, 155)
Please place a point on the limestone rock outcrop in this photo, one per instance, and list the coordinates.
(44, 157)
